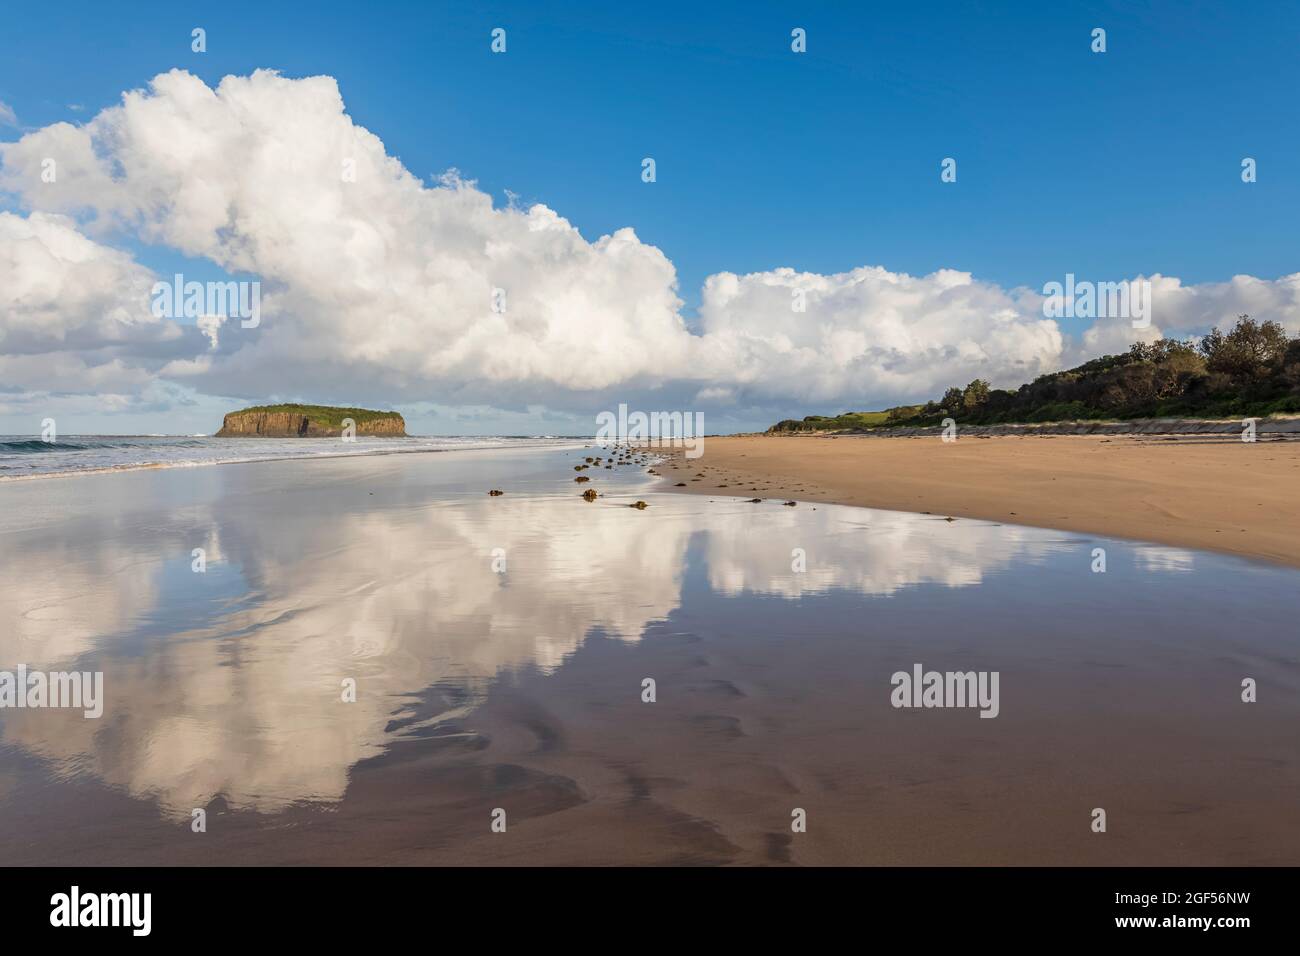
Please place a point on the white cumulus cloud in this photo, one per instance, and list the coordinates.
(379, 285)
(74, 314)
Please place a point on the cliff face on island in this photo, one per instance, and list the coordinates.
(308, 421)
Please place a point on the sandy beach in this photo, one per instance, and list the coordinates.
(499, 648)
(1212, 493)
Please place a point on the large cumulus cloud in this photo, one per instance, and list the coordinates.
(74, 314)
(872, 332)
(378, 285)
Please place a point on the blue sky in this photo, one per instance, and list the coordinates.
(1068, 161)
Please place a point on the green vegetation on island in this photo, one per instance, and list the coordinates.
(1252, 370)
(308, 421)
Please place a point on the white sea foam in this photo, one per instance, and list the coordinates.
(27, 457)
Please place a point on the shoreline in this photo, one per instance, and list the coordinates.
(160, 465)
(322, 456)
(1229, 497)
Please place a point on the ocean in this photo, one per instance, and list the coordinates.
(25, 456)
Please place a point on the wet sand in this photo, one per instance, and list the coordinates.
(521, 690)
(1218, 494)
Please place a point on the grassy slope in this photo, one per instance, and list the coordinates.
(833, 423)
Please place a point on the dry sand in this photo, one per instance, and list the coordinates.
(1220, 494)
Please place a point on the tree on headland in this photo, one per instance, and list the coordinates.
(1250, 349)
(953, 401)
(976, 394)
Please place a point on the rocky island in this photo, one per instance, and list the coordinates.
(308, 421)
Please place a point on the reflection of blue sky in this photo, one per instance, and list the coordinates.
(183, 594)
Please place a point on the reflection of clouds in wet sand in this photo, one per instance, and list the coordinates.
(250, 707)
(79, 566)
(247, 704)
(871, 552)
(58, 600)
(1157, 559)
